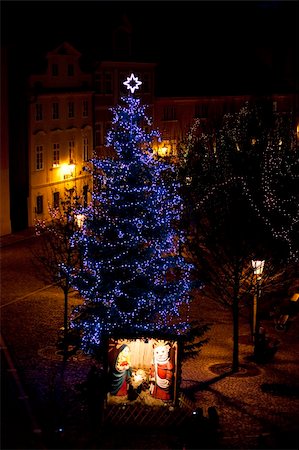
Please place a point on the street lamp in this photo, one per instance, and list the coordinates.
(163, 151)
(68, 170)
(79, 219)
(258, 267)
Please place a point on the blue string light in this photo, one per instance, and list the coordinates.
(133, 277)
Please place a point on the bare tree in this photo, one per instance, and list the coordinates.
(57, 251)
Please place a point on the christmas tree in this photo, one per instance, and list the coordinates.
(133, 280)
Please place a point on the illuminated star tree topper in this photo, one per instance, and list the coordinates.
(132, 83)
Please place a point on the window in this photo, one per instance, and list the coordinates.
(56, 148)
(147, 129)
(169, 113)
(233, 107)
(55, 110)
(225, 108)
(104, 83)
(71, 110)
(38, 111)
(85, 195)
(39, 157)
(122, 78)
(201, 111)
(85, 149)
(146, 83)
(71, 152)
(107, 128)
(107, 83)
(39, 204)
(98, 83)
(122, 42)
(54, 70)
(70, 70)
(99, 135)
(85, 108)
(56, 199)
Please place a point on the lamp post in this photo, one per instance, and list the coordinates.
(258, 267)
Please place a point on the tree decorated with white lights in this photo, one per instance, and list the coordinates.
(133, 279)
(255, 152)
(241, 185)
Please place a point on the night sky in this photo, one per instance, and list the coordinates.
(201, 47)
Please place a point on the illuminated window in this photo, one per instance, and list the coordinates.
(39, 157)
(56, 199)
(173, 147)
(56, 148)
(55, 110)
(85, 149)
(38, 111)
(39, 204)
(71, 151)
(85, 108)
(71, 110)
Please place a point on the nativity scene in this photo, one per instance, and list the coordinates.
(142, 371)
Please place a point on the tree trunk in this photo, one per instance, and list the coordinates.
(65, 324)
(235, 363)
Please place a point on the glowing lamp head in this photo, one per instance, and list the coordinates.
(67, 170)
(163, 151)
(258, 267)
(79, 218)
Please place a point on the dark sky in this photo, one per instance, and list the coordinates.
(201, 47)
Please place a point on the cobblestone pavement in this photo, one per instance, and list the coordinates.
(250, 417)
(258, 407)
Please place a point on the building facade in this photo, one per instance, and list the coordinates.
(60, 123)
(109, 77)
(5, 222)
(69, 116)
(174, 116)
